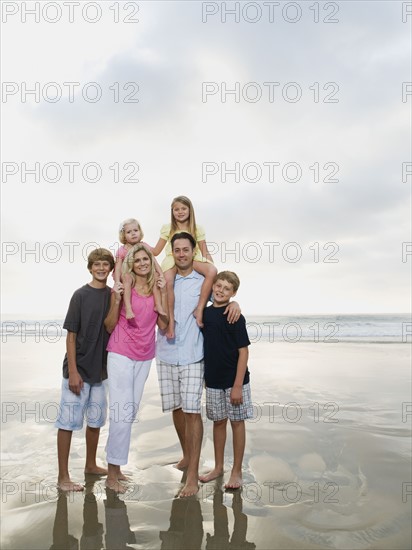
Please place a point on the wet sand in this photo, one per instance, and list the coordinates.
(327, 461)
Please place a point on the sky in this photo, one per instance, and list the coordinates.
(288, 125)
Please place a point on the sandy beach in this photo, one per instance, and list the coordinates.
(327, 461)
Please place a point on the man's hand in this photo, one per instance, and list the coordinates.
(236, 395)
(233, 312)
(75, 383)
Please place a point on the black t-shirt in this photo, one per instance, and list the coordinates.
(87, 310)
(222, 342)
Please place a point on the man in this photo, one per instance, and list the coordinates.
(180, 365)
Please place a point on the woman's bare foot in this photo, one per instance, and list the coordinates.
(213, 474)
(235, 481)
(115, 486)
(96, 470)
(122, 477)
(67, 484)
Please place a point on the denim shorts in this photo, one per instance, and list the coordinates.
(92, 403)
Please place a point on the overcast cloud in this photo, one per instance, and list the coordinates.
(361, 220)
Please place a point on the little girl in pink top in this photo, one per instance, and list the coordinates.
(130, 234)
(131, 349)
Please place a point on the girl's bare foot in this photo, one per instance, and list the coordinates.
(158, 309)
(122, 477)
(214, 474)
(235, 481)
(69, 485)
(129, 314)
(115, 486)
(96, 470)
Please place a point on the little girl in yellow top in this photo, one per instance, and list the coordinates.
(131, 233)
(183, 219)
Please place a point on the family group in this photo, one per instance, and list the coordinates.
(112, 339)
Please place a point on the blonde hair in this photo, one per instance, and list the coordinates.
(192, 220)
(122, 237)
(128, 262)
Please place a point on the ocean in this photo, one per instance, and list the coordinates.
(329, 329)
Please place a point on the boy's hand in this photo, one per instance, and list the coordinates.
(236, 395)
(75, 383)
(233, 312)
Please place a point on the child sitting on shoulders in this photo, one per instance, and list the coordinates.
(183, 219)
(131, 233)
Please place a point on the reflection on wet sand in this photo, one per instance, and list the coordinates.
(186, 526)
(92, 533)
(221, 539)
(118, 532)
(62, 540)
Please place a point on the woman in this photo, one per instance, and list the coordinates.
(131, 349)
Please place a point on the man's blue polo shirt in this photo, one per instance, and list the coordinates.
(187, 346)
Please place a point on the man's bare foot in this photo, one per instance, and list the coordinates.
(69, 485)
(214, 474)
(115, 486)
(235, 481)
(189, 490)
(182, 464)
(96, 470)
(170, 332)
(198, 313)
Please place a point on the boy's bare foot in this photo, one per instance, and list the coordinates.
(182, 464)
(198, 313)
(189, 490)
(69, 485)
(170, 332)
(115, 486)
(129, 314)
(96, 470)
(214, 474)
(235, 481)
(122, 477)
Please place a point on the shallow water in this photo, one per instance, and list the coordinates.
(327, 460)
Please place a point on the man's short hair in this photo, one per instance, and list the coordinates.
(100, 255)
(229, 277)
(184, 235)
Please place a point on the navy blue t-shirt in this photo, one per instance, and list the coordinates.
(221, 344)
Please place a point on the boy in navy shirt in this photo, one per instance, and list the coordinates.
(227, 377)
